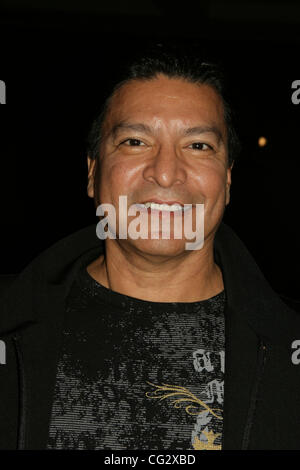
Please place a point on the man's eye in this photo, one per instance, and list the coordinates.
(200, 146)
(133, 142)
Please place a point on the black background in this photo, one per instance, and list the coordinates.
(56, 61)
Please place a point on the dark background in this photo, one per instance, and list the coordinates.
(56, 59)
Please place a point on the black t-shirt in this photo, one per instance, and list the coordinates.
(134, 374)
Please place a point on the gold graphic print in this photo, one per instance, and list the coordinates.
(209, 445)
(195, 407)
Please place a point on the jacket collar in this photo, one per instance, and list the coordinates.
(248, 292)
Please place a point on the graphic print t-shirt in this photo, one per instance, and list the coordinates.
(134, 374)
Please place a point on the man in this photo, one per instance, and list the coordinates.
(140, 343)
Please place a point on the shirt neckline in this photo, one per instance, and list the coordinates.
(102, 294)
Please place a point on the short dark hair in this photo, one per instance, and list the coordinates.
(173, 62)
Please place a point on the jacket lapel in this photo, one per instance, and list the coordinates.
(241, 367)
(254, 415)
(40, 346)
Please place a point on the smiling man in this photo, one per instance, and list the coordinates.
(139, 343)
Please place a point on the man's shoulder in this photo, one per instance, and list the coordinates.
(58, 256)
(45, 280)
(6, 280)
(293, 304)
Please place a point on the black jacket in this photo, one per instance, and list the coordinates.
(262, 384)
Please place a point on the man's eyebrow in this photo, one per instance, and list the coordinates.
(203, 130)
(141, 127)
(138, 127)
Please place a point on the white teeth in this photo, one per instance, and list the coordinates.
(164, 207)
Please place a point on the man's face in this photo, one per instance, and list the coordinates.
(164, 139)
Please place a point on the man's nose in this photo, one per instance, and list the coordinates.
(166, 168)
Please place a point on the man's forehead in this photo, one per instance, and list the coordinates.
(153, 102)
(170, 90)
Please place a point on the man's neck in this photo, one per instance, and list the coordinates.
(190, 281)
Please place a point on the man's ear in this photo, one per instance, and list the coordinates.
(228, 183)
(91, 163)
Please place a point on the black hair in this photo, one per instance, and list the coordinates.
(173, 62)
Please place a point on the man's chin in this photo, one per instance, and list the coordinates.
(159, 247)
